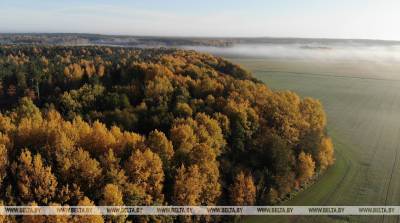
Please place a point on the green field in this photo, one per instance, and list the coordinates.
(362, 101)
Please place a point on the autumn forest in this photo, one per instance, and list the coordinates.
(126, 126)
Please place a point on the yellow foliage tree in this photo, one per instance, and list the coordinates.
(101, 70)
(183, 139)
(326, 154)
(145, 170)
(35, 181)
(313, 114)
(79, 168)
(183, 109)
(112, 196)
(3, 163)
(99, 140)
(67, 72)
(87, 218)
(112, 172)
(159, 143)
(77, 72)
(187, 186)
(243, 191)
(306, 167)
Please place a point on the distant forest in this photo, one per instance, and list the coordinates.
(124, 126)
(82, 39)
(108, 40)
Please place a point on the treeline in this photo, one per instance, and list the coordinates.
(117, 126)
(73, 39)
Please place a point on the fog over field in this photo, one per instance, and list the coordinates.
(354, 59)
(316, 51)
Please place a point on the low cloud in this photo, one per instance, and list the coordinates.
(383, 53)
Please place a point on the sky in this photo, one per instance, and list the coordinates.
(358, 19)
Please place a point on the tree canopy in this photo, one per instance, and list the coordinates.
(114, 126)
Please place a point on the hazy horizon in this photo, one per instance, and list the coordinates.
(194, 36)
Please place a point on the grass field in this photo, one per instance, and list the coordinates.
(362, 102)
